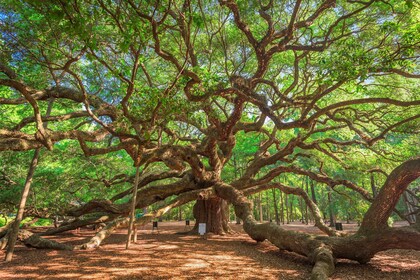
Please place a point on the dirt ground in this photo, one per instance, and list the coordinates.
(166, 254)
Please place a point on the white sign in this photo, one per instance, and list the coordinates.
(202, 228)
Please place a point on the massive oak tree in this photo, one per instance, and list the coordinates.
(325, 90)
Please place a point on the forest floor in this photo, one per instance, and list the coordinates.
(166, 254)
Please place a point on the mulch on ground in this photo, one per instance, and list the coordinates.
(166, 254)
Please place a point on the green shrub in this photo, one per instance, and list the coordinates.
(42, 223)
(2, 221)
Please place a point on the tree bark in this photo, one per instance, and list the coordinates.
(276, 208)
(373, 236)
(291, 217)
(282, 207)
(397, 182)
(286, 206)
(133, 208)
(410, 201)
(35, 241)
(260, 208)
(331, 210)
(15, 228)
(214, 213)
(179, 213)
(372, 185)
(267, 197)
(313, 192)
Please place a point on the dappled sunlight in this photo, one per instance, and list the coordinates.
(168, 255)
(398, 261)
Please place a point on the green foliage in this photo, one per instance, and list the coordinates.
(122, 55)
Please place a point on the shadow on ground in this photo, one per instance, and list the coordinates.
(167, 255)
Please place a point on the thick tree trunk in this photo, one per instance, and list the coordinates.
(214, 213)
(397, 182)
(373, 236)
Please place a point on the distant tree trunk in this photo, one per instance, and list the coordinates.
(302, 210)
(133, 209)
(276, 208)
(214, 212)
(267, 198)
(331, 210)
(15, 228)
(307, 216)
(286, 206)
(409, 203)
(179, 213)
(313, 192)
(260, 210)
(372, 184)
(281, 208)
(291, 209)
